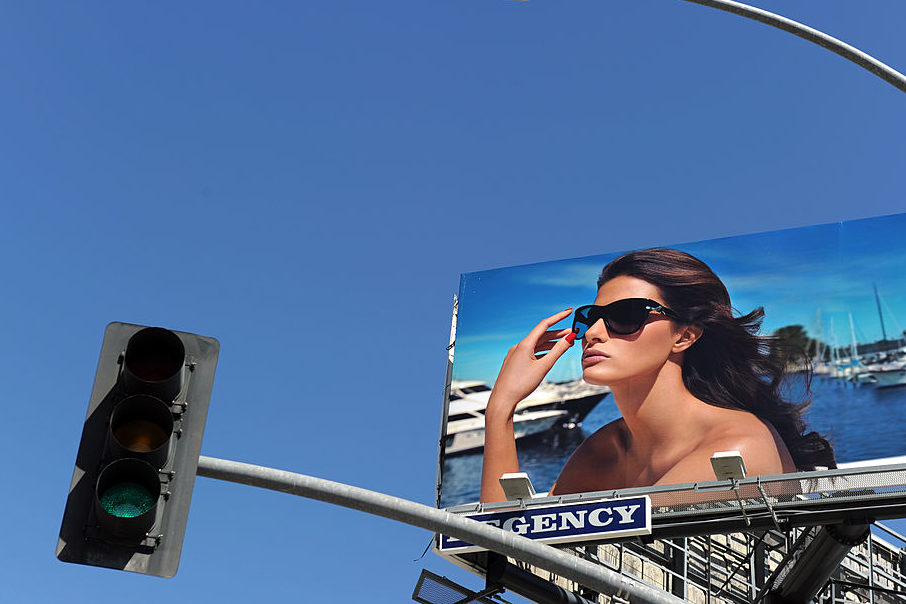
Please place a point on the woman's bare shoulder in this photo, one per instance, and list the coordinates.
(762, 448)
(759, 444)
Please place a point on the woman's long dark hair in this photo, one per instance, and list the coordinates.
(730, 365)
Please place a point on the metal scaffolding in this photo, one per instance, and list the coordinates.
(737, 568)
(789, 538)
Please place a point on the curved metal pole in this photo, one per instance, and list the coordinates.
(851, 53)
(598, 578)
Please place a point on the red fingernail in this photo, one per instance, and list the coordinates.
(570, 337)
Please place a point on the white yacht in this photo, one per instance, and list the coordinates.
(465, 425)
(889, 374)
(550, 407)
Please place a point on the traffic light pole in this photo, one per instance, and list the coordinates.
(593, 576)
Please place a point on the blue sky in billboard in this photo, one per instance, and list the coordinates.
(816, 277)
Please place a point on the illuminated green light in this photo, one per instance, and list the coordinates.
(127, 500)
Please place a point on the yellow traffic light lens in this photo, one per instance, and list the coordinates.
(142, 426)
(140, 435)
(127, 500)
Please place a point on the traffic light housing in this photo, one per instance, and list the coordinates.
(134, 473)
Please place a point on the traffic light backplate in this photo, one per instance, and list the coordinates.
(132, 483)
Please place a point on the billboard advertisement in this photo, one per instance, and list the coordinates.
(631, 369)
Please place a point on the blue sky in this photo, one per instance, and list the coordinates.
(306, 183)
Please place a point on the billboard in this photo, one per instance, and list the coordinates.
(664, 371)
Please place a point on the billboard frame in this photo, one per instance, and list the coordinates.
(864, 495)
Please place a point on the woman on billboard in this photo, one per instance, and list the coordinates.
(688, 378)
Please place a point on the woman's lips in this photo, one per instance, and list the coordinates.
(590, 357)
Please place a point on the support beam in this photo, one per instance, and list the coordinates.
(502, 572)
(817, 562)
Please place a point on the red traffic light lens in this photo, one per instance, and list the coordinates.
(153, 363)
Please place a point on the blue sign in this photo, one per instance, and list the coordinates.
(565, 523)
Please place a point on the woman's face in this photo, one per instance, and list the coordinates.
(608, 359)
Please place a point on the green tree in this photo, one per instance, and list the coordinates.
(794, 346)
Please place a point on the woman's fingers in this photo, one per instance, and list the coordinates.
(557, 349)
(541, 334)
(550, 339)
(555, 334)
(545, 324)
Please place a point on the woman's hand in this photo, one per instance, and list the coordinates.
(530, 360)
(524, 367)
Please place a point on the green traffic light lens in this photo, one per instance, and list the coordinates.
(127, 500)
(126, 497)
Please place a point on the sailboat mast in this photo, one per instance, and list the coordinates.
(852, 335)
(880, 315)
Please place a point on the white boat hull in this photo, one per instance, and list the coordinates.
(549, 407)
(472, 437)
(890, 378)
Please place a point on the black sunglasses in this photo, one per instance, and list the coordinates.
(622, 317)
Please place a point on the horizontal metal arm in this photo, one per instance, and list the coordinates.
(593, 576)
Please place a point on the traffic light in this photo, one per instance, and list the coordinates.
(135, 470)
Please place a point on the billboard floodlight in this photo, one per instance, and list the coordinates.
(434, 589)
(728, 465)
(516, 486)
